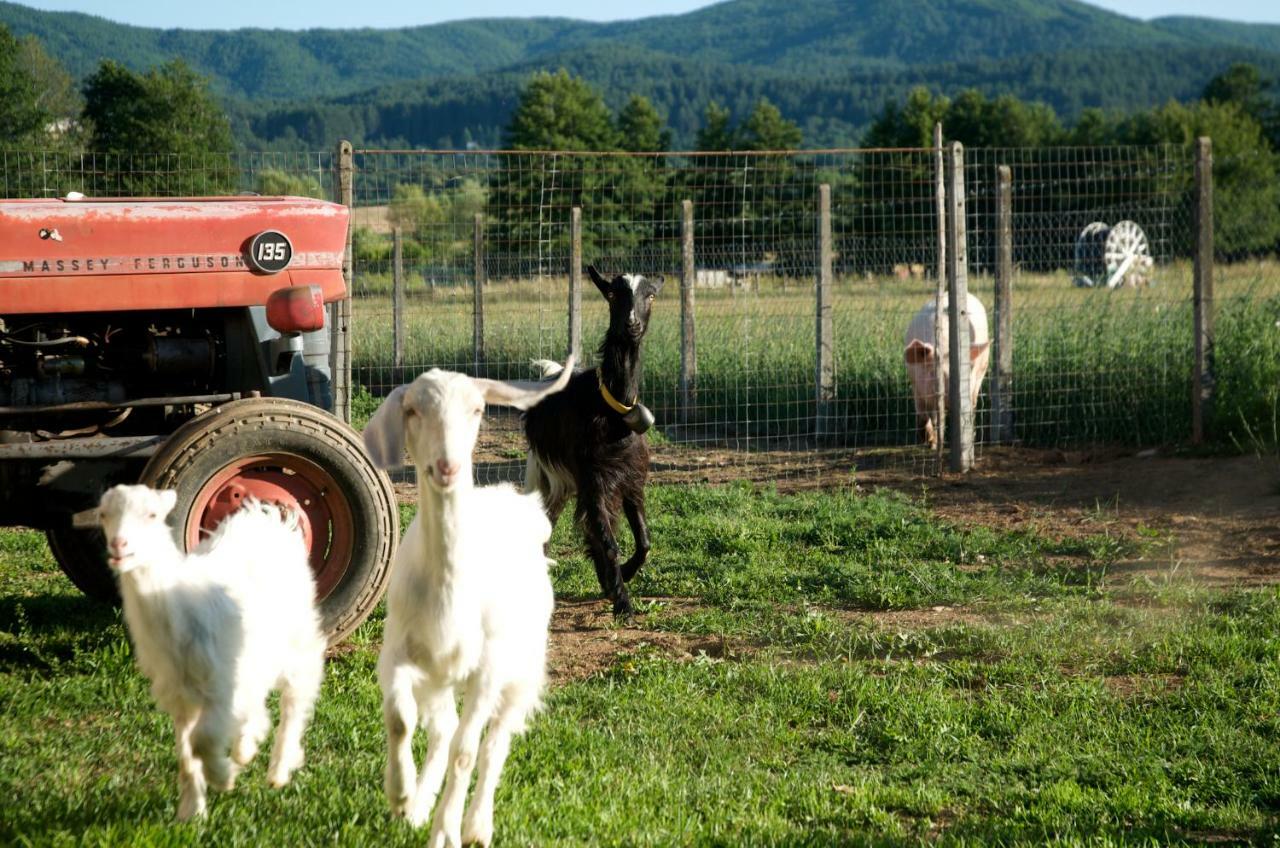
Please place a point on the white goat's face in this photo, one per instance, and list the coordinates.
(133, 522)
(442, 413)
(437, 418)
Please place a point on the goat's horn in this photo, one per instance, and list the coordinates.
(522, 394)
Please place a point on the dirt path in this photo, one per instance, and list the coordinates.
(1216, 522)
(1219, 517)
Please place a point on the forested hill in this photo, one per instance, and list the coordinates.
(828, 64)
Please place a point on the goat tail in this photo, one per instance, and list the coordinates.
(547, 367)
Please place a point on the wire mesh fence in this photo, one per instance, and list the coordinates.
(1093, 363)
(461, 260)
(753, 407)
(56, 173)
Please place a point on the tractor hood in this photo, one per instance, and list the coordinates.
(94, 255)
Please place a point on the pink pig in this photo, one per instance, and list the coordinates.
(922, 354)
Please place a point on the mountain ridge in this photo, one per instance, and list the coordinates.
(829, 64)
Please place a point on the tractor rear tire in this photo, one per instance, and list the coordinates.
(295, 453)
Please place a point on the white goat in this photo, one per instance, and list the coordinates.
(924, 355)
(216, 630)
(468, 606)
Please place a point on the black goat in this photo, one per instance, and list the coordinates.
(584, 440)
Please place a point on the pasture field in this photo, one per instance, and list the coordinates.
(1089, 366)
(818, 668)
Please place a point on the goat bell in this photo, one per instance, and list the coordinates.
(639, 418)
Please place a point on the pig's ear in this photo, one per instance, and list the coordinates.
(977, 350)
(918, 353)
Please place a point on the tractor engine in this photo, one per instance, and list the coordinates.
(64, 360)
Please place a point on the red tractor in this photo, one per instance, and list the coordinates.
(182, 344)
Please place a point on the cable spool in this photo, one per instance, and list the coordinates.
(1111, 257)
(1088, 254)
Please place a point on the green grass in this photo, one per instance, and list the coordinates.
(1046, 703)
(1089, 366)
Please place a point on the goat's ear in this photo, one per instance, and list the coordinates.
(601, 282)
(168, 500)
(657, 283)
(522, 394)
(977, 350)
(918, 353)
(384, 434)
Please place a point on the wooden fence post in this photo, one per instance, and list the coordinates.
(1202, 395)
(1002, 384)
(575, 282)
(960, 409)
(478, 309)
(824, 378)
(397, 297)
(340, 311)
(940, 286)
(688, 338)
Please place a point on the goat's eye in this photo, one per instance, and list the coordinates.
(649, 298)
(478, 412)
(152, 516)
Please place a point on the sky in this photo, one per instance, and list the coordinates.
(305, 14)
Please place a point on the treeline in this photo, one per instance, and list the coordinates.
(164, 132)
(755, 208)
(834, 106)
(119, 132)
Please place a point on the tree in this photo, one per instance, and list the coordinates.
(640, 186)
(23, 119)
(273, 182)
(908, 125)
(766, 129)
(1240, 84)
(717, 131)
(640, 127)
(1243, 85)
(1246, 172)
(164, 128)
(55, 91)
(561, 112)
(763, 209)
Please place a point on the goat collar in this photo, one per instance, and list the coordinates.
(620, 408)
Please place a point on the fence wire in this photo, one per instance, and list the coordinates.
(1091, 365)
(752, 410)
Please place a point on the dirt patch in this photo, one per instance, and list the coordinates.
(1137, 685)
(1214, 520)
(917, 619)
(586, 640)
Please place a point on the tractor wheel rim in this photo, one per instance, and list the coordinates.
(293, 482)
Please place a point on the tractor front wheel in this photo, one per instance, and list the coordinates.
(82, 556)
(294, 454)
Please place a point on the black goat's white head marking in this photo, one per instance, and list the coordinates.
(630, 299)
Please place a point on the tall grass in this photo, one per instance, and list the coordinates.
(1089, 366)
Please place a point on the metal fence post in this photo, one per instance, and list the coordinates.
(397, 297)
(688, 339)
(1202, 395)
(1002, 384)
(940, 287)
(575, 282)
(478, 309)
(824, 378)
(960, 409)
(340, 312)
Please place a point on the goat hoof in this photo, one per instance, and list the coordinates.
(622, 607)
